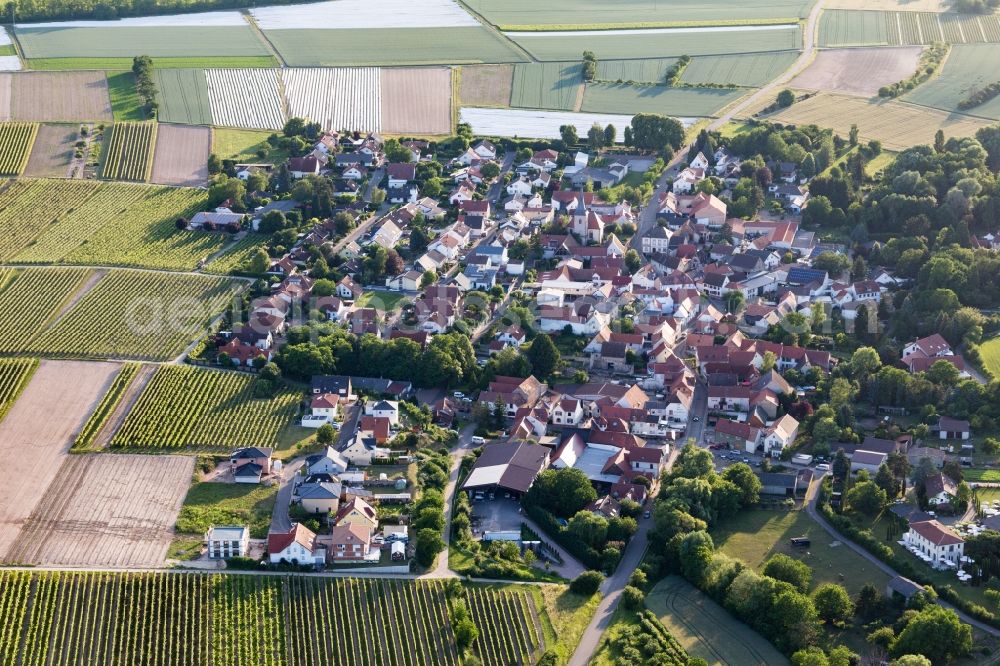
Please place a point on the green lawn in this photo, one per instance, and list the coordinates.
(566, 616)
(242, 145)
(210, 504)
(754, 536)
(707, 630)
(990, 351)
(387, 301)
(125, 101)
(984, 475)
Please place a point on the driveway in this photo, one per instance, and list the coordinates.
(280, 522)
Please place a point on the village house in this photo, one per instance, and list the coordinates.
(940, 489)
(328, 462)
(296, 546)
(250, 464)
(319, 497)
(937, 542)
(949, 428)
(357, 511)
(225, 541)
(349, 542)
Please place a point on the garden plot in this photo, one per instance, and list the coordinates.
(53, 151)
(37, 432)
(106, 510)
(485, 85)
(416, 101)
(838, 70)
(352, 14)
(338, 98)
(540, 124)
(245, 98)
(60, 96)
(181, 156)
(658, 42)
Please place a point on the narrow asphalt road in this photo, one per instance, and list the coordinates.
(812, 499)
(280, 522)
(441, 569)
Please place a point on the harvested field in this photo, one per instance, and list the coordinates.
(416, 101)
(485, 85)
(615, 98)
(968, 67)
(547, 85)
(37, 432)
(626, 44)
(245, 98)
(181, 156)
(837, 70)
(897, 125)
(53, 150)
(368, 46)
(183, 96)
(338, 98)
(60, 96)
(106, 510)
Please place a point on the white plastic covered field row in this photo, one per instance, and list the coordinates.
(530, 124)
(337, 98)
(203, 19)
(347, 14)
(247, 98)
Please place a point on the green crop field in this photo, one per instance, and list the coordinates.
(23, 313)
(968, 67)
(739, 70)
(645, 70)
(137, 315)
(85, 440)
(688, 102)
(990, 351)
(125, 101)
(705, 629)
(14, 376)
(128, 153)
(87, 222)
(849, 27)
(193, 619)
(183, 96)
(567, 14)
(547, 85)
(196, 62)
(127, 42)
(394, 46)
(205, 409)
(16, 140)
(663, 43)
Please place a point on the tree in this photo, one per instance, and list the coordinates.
(939, 141)
(610, 134)
(396, 152)
(272, 222)
(427, 279)
(214, 164)
(867, 498)
(587, 583)
(378, 196)
(869, 604)
(865, 362)
(429, 544)
(749, 483)
(344, 222)
(651, 131)
(734, 300)
(790, 570)
(326, 434)
(595, 137)
(885, 480)
(853, 135)
(785, 98)
(589, 66)
(543, 355)
(590, 528)
(935, 633)
(825, 431)
(768, 362)
(563, 492)
(633, 261)
(911, 659)
(258, 263)
(569, 135)
(833, 604)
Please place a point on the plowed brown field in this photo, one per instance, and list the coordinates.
(485, 85)
(52, 152)
(55, 96)
(416, 100)
(858, 71)
(181, 155)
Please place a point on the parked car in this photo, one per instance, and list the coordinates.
(646, 514)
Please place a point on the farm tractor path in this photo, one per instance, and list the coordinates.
(263, 38)
(84, 289)
(124, 406)
(38, 430)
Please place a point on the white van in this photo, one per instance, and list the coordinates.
(823, 467)
(478, 441)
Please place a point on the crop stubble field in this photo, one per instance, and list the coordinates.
(127, 153)
(106, 510)
(60, 96)
(840, 70)
(16, 140)
(195, 619)
(52, 151)
(185, 407)
(485, 85)
(37, 431)
(181, 155)
(897, 125)
(416, 101)
(247, 98)
(968, 67)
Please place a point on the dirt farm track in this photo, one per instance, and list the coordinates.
(37, 432)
